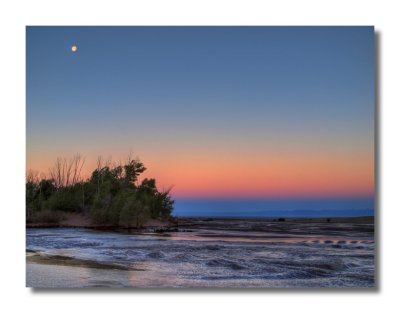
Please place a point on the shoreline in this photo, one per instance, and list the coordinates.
(213, 253)
(369, 219)
(179, 223)
(76, 220)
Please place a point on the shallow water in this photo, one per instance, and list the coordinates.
(339, 256)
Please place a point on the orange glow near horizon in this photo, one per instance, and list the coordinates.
(212, 112)
(220, 175)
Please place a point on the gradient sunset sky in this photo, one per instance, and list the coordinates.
(212, 111)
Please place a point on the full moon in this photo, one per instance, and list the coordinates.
(74, 48)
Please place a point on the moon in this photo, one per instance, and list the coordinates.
(74, 48)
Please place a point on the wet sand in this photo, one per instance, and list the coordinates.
(205, 253)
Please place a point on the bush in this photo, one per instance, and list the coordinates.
(111, 196)
(47, 216)
(97, 212)
(135, 212)
(63, 200)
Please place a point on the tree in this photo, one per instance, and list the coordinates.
(111, 196)
(132, 171)
(135, 212)
(67, 172)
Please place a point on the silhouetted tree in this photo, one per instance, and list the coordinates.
(111, 195)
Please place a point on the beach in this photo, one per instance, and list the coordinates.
(200, 253)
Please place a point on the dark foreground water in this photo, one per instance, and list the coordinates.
(214, 254)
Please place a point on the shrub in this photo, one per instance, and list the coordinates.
(135, 212)
(47, 216)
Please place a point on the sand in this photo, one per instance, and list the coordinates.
(76, 220)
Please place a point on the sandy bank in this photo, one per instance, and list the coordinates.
(76, 220)
(69, 261)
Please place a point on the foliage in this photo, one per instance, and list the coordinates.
(47, 216)
(111, 196)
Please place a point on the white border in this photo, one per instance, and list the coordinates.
(16, 14)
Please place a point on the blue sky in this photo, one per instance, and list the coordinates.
(177, 95)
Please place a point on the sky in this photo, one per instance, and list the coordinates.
(213, 112)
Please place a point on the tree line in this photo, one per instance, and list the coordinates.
(111, 196)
